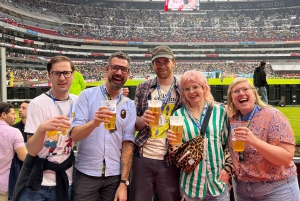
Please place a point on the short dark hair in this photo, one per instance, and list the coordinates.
(57, 59)
(120, 55)
(262, 63)
(26, 101)
(5, 107)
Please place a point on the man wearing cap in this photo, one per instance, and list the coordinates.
(153, 167)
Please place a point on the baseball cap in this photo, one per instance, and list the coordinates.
(162, 51)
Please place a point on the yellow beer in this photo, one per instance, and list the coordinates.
(177, 129)
(51, 133)
(238, 146)
(112, 124)
(64, 131)
(156, 113)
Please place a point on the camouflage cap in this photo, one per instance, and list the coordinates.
(162, 51)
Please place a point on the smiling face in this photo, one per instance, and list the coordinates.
(116, 79)
(194, 94)
(163, 67)
(243, 97)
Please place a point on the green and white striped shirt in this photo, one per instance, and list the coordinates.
(206, 174)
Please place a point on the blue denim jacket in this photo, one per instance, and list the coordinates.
(15, 169)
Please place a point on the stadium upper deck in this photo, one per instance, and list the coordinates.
(254, 30)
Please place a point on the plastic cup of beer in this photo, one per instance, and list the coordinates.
(155, 107)
(65, 130)
(112, 106)
(176, 125)
(238, 146)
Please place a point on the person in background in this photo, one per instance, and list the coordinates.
(265, 170)
(153, 167)
(78, 84)
(11, 142)
(104, 157)
(260, 81)
(208, 181)
(47, 171)
(23, 116)
(16, 164)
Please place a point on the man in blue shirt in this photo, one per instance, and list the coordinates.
(104, 157)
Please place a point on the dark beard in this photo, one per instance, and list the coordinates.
(116, 86)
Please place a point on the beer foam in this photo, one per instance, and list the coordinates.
(176, 123)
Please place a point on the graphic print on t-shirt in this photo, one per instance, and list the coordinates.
(58, 142)
(160, 132)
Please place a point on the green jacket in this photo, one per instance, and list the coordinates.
(78, 84)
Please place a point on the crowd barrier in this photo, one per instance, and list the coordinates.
(289, 93)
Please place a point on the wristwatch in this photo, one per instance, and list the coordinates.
(125, 182)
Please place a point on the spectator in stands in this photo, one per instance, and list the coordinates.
(23, 116)
(47, 171)
(265, 170)
(260, 81)
(104, 157)
(11, 142)
(153, 167)
(78, 84)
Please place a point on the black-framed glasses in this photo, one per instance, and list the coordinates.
(57, 74)
(115, 68)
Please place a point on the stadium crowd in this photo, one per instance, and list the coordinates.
(123, 22)
(96, 71)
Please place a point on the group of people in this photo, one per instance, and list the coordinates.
(108, 163)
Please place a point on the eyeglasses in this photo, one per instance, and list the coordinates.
(238, 91)
(123, 69)
(57, 74)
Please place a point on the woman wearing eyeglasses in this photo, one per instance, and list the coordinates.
(265, 170)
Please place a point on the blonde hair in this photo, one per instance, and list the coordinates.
(231, 108)
(199, 78)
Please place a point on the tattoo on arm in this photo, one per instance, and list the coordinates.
(126, 159)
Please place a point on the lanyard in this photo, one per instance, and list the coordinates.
(58, 107)
(194, 120)
(255, 109)
(106, 94)
(160, 96)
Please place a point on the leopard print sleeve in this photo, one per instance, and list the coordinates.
(228, 161)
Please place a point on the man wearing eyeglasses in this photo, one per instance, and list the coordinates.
(104, 157)
(47, 171)
(11, 142)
